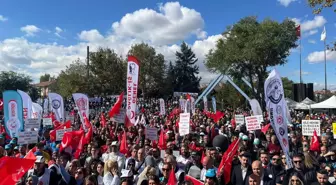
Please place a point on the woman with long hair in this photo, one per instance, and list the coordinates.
(91, 180)
(111, 173)
(295, 179)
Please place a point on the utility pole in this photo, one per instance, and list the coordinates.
(88, 67)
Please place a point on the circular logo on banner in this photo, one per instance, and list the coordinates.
(280, 120)
(81, 104)
(279, 109)
(274, 91)
(285, 142)
(56, 104)
(282, 131)
(131, 68)
(13, 124)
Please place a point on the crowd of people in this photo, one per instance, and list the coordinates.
(189, 159)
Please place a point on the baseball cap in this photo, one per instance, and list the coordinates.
(210, 173)
(114, 143)
(245, 138)
(39, 159)
(126, 173)
(8, 146)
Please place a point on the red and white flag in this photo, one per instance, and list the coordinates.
(12, 169)
(116, 107)
(82, 104)
(132, 89)
(314, 145)
(226, 162)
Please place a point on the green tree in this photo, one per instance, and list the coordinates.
(186, 70)
(228, 96)
(250, 47)
(45, 77)
(318, 5)
(152, 69)
(10, 80)
(287, 85)
(108, 72)
(73, 79)
(170, 79)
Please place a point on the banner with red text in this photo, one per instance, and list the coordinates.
(82, 104)
(132, 89)
(27, 104)
(13, 113)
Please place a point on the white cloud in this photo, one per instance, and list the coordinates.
(306, 25)
(165, 30)
(3, 18)
(311, 41)
(318, 56)
(171, 24)
(30, 30)
(285, 2)
(309, 33)
(303, 73)
(58, 31)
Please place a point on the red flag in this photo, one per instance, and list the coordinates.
(80, 146)
(162, 141)
(12, 169)
(193, 180)
(88, 136)
(71, 139)
(265, 128)
(217, 116)
(203, 155)
(1, 104)
(172, 178)
(3, 130)
(226, 161)
(103, 120)
(298, 31)
(188, 96)
(52, 133)
(123, 144)
(87, 122)
(315, 145)
(30, 154)
(116, 108)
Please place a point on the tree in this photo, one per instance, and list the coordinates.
(249, 48)
(287, 85)
(73, 79)
(108, 72)
(152, 69)
(45, 77)
(10, 80)
(227, 95)
(186, 70)
(170, 79)
(318, 5)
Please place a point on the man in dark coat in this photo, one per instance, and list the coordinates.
(241, 171)
(259, 171)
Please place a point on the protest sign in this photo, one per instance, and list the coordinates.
(151, 133)
(252, 123)
(184, 124)
(239, 119)
(119, 118)
(32, 123)
(334, 130)
(308, 127)
(27, 137)
(60, 133)
(47, 121)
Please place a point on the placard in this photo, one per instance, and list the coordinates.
(308, 127)
(47, 121)
(152, 133)
(253, 123)
(27, 137)
(334, 130)
(239, 118)
(60, 133)
(32, 123)
(119, 118)
(184, 124)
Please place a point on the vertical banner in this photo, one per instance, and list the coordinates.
(184, 124)
(82, 104)
(205, 102)
(192, 104)
(213, 99)
(1, 103)
(182, 104)
(13, 112)
(186, 106)
(276, 107)
(162, 107)
(45, 107)
(26, 103)
(37, 111)
(255, 106)
(57, 106)
(132, 89)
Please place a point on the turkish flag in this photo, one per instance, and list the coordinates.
(314, 145)
(12, 169)
(1, 104)
(162, 141)
(116, 108)
(103, 120)
(71, 139)
(172, 178)
(265, 128)
(88, 136)
(193, 180)
(123, 144)
(226, 161)
(30, 154)
(217, 116)
(298, 31)
(52, 133)
(79, 149)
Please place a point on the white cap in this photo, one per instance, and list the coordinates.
(114, 143)
(39, 159)
(126, 173)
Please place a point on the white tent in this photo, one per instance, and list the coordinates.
(326, 104)
(308, 101)
(295, 105)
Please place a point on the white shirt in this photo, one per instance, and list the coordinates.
(109, 179)
(244, 171)
(120, 158)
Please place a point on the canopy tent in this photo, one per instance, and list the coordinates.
(326, 104)
(295, 105)
(308, 101)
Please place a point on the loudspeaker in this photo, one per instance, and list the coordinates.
(301, 92)
(310, 91)
(295, 92)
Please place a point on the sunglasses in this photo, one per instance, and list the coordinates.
(298, 162)
(275, 159)
(165, 169)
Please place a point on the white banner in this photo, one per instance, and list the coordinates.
(26, 104)
(162, 107)
(240, 119)
(32, 123)
(308, 127)
(57, 106)
(82, 104)
(46, 121)
(37, 111)
(184, 124)
(133, 69)
(276, 107)
(192, 104)
(119, 118)
(152, 133)
(60, 133)
(255, 106)
(253, 123)
(28, 137)
(205, 102)
(182, 104)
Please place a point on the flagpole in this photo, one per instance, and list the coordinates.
(300, 61)
(325, 68)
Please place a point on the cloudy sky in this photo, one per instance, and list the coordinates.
(38, 37)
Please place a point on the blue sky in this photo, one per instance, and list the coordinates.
(44, 36)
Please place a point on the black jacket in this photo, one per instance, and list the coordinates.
(237, 176)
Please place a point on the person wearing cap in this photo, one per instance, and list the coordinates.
(210, 177)
(9, 151)
(40, 148)
(240, 172)
(116, 155)
(45, 176)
